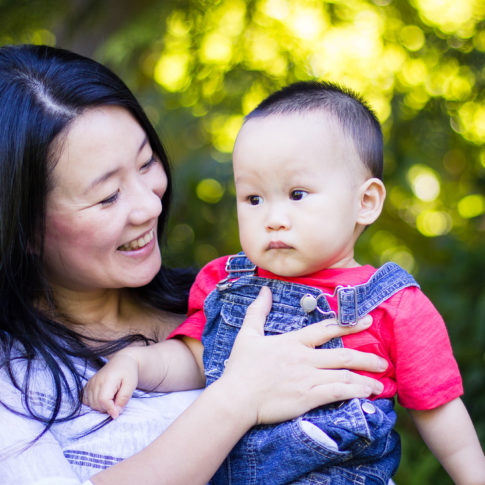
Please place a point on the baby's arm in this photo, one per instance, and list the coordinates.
(449, 433)
(164, 366)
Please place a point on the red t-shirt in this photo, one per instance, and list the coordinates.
(407, 331)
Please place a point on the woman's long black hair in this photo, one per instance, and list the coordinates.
(42, 90)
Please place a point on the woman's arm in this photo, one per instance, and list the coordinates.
(266, 380)
(24, 463)
(449, 433)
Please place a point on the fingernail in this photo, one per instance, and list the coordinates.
(383, 365)
(366, 321)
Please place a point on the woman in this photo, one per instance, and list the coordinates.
(85, 195)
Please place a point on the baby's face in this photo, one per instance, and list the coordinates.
(297, 184)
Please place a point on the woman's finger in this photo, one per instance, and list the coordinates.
(345, 378)
(338, 391)
(320, 332)
(343, 358)
(257, 312)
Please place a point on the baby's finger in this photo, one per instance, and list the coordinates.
(97, 403)
(318, 333)
(123, 395)
(85, 397)
(113, 410)
(90, 392)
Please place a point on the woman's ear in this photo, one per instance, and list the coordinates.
(372, 196)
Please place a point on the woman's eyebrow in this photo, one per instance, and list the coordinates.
(102, 178)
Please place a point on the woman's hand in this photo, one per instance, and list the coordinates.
(280, 377)
(266, 380)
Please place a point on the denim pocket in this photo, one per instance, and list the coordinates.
(282, 318)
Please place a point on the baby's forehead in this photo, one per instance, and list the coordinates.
(300, 132)
(299, 127)
(313, 115)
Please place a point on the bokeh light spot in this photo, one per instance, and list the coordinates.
(210, 191)
(171, 70)
(424, 182)
(181, 234)
(472, 205)
(412, 37)
(433, 223)
(216, 48)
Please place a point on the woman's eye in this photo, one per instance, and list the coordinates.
(298, 194)
(111, 199)
(255, 199)
(149, 163)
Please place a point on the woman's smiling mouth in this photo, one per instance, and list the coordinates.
(137, 243)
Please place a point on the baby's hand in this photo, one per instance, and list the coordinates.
(112, 386)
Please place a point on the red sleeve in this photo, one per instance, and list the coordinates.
(204, 283)
(427, 374)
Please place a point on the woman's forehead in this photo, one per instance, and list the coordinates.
(97, 141)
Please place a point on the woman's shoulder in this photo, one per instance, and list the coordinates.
(31, 381)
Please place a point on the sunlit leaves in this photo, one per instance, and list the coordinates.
(209, 190)
(433, 223)
(424, 182)
(390, 248)
(451, 16)
(412, 37)
(366, 45)
(171, 71)
(472, 122)
(472, 205)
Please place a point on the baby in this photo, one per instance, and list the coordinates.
(308, 176)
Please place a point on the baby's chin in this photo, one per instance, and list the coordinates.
(287, 270)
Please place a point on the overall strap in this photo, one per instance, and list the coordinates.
(237, 265)
(355, 302)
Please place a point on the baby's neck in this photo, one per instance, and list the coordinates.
(342, 264)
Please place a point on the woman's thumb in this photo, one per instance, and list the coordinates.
(257, 312)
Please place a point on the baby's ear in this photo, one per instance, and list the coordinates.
(372, 195)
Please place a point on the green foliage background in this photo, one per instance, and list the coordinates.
(199, 66)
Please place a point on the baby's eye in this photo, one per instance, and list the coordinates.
(255, 199)
(111, 199)
(298, 194)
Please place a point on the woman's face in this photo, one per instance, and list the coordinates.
(102, 210)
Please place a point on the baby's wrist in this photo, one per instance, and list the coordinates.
(131, 355)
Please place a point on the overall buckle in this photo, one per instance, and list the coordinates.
(348, 311)
(228, 281)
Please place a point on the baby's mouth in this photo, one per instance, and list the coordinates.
(137, 243)
(278, 245)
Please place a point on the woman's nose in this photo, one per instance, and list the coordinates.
(146, 205)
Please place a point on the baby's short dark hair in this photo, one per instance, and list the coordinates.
(356, 118)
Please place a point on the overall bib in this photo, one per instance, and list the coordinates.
(350, 442)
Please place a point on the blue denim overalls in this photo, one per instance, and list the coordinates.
(351, 442)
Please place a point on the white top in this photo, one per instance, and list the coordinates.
(61, 456)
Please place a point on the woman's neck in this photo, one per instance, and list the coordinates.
(94, 313)
(110, 314)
